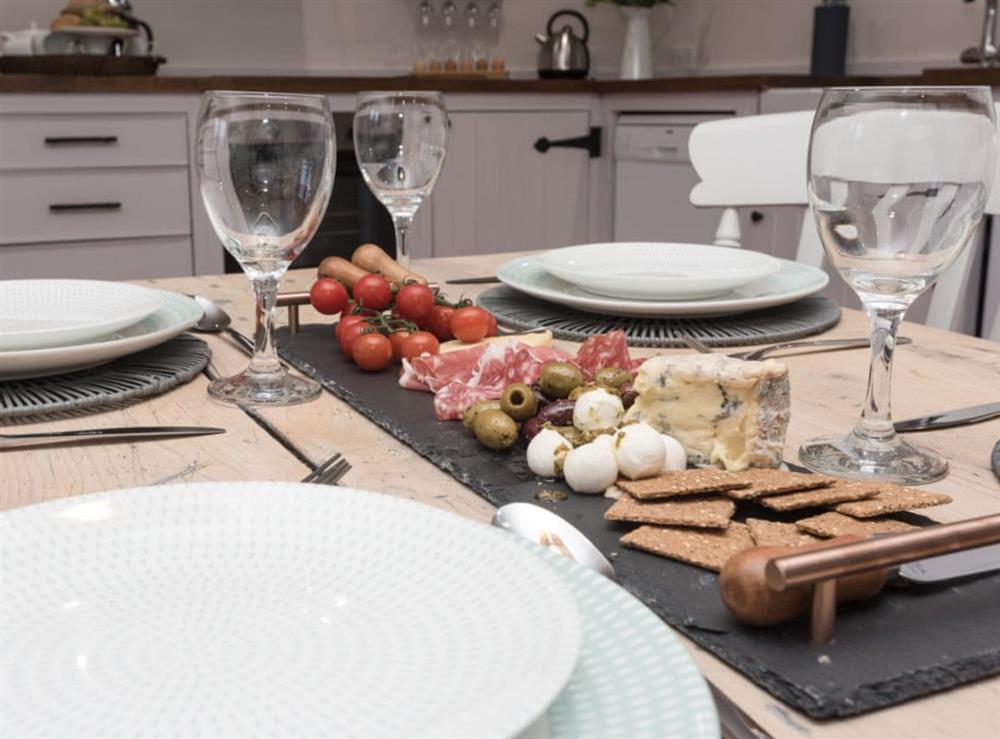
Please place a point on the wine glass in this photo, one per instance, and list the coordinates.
(266, 165)
(898, 179)
(399, 140)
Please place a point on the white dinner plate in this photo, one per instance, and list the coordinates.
(791, 282)
(658, 271)
(176, 314)
(41, 314)
(273, 610)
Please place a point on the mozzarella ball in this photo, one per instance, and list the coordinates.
(596, 410)
(676, 457)
(546, 452)
(640, 451)
(591, 468)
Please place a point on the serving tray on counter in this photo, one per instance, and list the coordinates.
(901, 645)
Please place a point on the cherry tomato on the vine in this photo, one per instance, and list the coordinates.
(346, 321)
(439, 322)
(397, 338)
(328, 296)
(492, 331)
(470, 324)
(419, 342)
(350, 335)
(414, 302)
(372, 352)
(374, 292)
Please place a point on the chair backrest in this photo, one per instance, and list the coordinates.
(761, 160)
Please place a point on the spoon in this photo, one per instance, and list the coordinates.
(215, 320)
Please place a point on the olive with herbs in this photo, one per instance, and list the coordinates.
(614, 377)
(559, 379)
(469, 417)
(518, 401)
(495, 429)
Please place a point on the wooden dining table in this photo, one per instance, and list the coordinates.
(940, 370)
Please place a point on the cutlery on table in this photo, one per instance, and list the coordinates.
(474, 280)
(329, 472)
(215, 320)
(822, 345)
(17, 441)
(556, 533)
(948, 419)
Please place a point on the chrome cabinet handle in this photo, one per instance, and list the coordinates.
(79, 140)
(62, 207)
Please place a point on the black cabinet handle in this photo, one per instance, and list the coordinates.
(756, 216)
(62, 207)
(70, 140)
(591, 142)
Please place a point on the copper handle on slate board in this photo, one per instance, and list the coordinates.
(821, 567)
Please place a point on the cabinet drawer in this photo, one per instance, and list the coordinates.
(82, 140)
(126, 259)
(93, 204)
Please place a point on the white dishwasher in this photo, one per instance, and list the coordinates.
(654, 177)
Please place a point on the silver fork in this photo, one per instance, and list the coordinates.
(329, 472)
(832, 345)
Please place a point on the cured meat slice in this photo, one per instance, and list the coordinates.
(606, 350)
(432, 372)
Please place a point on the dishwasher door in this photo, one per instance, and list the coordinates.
(653, 180)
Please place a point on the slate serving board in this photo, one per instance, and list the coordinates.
(906, 643)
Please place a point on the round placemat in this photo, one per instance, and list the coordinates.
(149, 372)
(781, 323)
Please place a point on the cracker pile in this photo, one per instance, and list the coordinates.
(688, 515)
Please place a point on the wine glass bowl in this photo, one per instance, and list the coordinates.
(898, 180)
(266, 166)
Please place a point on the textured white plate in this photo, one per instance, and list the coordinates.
(176, 314)
(634, 678)
(273, 610)
(41, 314)
(791, 282)
(657, 271)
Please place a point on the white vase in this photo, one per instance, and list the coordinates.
(637, 56)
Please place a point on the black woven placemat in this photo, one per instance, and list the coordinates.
(901, 645)
(150, 372)
(804, 317)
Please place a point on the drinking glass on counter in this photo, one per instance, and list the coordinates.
(266, 165)
(898, 180)
(399, 140)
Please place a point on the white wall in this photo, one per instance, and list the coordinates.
(373, 36)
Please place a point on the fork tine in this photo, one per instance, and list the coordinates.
(335, 473)
(321, 468)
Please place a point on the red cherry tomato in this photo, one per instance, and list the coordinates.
(328, 296)
(350, 335)
(439, 322)
(492, 320)
(346, 321)
(396, 338)
(373, 291)
(414, 302)
(470, 324)
(420, 342)
(372, 352)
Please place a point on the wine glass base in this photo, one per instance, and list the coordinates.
(855, 458)
(269, 390)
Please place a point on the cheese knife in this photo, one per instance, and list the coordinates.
(474, 280)
(948, 419)
(17, 441)
(952, 566)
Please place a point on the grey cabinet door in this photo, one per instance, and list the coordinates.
(497, 193)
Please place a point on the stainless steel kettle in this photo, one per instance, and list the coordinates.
(564, 54)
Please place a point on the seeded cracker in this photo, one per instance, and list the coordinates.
(683, 482)
(708, 549)
(771, 482)
(892, 499)
(775, 534)
(833, 524)
(840, 492)
(708, 513)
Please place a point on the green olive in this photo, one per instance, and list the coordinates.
(469, 417)
(559, 379)
(614, 377)
(519, 402)
(495, 429)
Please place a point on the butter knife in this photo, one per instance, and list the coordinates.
(952, 566)
(18, 441)
(947, 419)
(473, 280)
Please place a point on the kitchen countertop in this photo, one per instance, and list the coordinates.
(21, 83)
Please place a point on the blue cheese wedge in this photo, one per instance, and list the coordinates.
(724, 411)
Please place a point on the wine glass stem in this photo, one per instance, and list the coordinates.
(876, 414)
(265, 359)
(402, 225)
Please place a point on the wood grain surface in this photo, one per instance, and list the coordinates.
(940, 370)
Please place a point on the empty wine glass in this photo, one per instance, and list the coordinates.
(399, 140)
(898, 179)
(266, 165)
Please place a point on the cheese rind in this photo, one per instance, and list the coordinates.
(724, 411)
